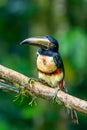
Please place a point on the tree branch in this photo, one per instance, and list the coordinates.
(19, 80)
(8, 87)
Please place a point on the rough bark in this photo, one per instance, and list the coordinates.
(19, 80)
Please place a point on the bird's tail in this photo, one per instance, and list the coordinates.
(72, 115)
(71, 112)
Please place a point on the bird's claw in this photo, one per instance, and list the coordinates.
(55, 94)
(56, 91)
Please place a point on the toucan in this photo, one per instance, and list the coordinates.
(50, 65)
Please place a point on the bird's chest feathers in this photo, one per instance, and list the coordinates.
(53, 79)
(46, 64)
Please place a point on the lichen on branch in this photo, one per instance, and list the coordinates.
(21, 81)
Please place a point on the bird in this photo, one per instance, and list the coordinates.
(50, 65)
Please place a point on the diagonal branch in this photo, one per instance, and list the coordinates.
(8, 87)
(21, 81)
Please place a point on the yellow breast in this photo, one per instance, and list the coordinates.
(46, 64)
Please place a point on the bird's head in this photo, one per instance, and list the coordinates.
(47, 42)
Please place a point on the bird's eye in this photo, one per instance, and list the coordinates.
(52, 44)
(48, 44)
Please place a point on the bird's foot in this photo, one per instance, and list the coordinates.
(55, 94)
(54, 99)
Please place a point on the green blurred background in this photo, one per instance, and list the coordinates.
(66, 20)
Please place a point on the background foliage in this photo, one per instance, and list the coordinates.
(66, 20)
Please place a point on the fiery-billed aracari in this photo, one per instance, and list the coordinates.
(50, 65)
